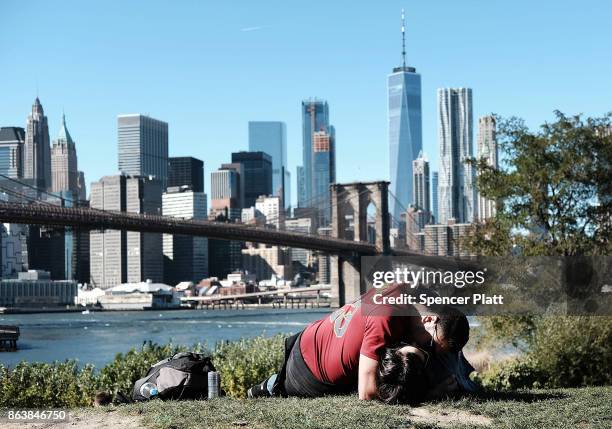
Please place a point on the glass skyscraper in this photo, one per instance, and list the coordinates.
(405, 134)
(11, 151)
(271, 137)
(257, 170)
(143, 147)
(315, 117)
(186, 171)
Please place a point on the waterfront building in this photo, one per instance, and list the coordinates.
(271, 137)
(456, 187)
(64, 171)
(11, 151)
(37, 152)
(265, 261)
(35, 289)
(146, 295)
(12, 257)
(256, 173)
(487, 151)
(434, 196)
(186, 171)
(405, 130)
(143, 147)
(185, 256)
(126, 256)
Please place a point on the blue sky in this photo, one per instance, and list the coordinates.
(207, 68)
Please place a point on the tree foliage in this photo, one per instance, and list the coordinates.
(553, 190)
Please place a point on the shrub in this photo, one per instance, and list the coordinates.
(63, 384)
(247, 362)
(563, 352)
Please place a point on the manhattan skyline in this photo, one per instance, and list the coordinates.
(209, 70)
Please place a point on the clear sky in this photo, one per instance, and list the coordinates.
(207, 68)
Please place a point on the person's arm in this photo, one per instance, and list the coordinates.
(367, 378)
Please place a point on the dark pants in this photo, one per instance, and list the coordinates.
(295, 378)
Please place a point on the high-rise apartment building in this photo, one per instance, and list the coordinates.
(126, 256)
(303, 226)
(456, 187)
(271, 137)
(487, 150)
(186, 171)
(143, 147)
(420, 182)
(11, 152)
(405, 130)
(64, 171)
(185, 256)
(434, 196)
(257, 174)
(37, 152)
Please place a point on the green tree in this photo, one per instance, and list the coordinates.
(554, 198)
(553, 191)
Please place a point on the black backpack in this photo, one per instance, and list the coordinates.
(183, 376)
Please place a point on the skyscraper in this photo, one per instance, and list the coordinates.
(420, 193)
(64, 171)
(186, 171)
(37, 153)
(271, 137)
(11, 152)
(143, 147)
(257, 170)
(315, 117)
(456, 190)
(185, 256)
(323, 174)
(405, 130)
(225, 192)
(487, 150)
(126, 256)
(434, 196)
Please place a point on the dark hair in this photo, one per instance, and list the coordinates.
(400, 377)
(454, 327)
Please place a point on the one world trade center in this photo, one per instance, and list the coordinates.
(405, 131)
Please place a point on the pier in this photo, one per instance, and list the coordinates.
(8, 337)
(287, 298)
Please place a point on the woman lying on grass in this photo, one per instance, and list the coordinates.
(353, 349)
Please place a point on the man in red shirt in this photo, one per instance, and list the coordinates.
(348, 350)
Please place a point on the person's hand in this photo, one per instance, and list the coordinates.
(447, 385)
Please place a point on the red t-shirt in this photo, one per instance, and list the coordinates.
(331, 346)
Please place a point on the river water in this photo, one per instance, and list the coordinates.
(98, 336)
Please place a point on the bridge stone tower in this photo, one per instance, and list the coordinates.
(354, 199)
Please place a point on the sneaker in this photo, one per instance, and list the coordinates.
(259, 391)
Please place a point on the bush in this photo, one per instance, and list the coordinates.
(64, 384)
(563, 352)
(247, 362)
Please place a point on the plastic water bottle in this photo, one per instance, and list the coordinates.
(213, 384)
(148, 390)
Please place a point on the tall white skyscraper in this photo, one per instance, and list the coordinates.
(487, 150)
(456, 190)
(405, 130)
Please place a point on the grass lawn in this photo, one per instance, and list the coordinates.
(564, 408)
